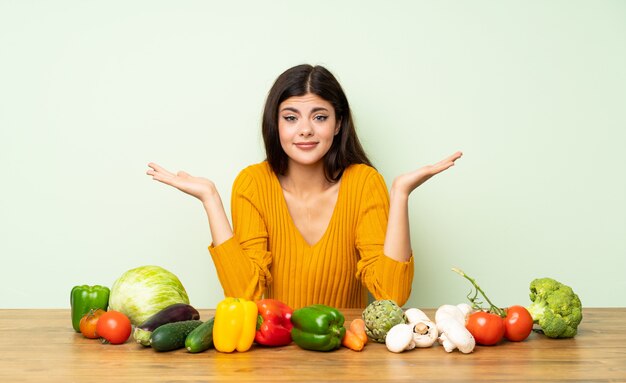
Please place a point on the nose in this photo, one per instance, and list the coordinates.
(306, 130)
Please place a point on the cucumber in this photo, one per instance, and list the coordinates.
(201, 338)
(174, 313)
(172, 336)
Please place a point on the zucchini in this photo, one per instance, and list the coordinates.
(172, 336)
(174, 313)
(201, 338)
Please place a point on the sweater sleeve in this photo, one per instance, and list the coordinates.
(384, 277)
(242, 262)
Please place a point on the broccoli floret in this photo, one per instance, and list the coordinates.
(555, 308)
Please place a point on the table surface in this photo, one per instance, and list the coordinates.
(39, 345)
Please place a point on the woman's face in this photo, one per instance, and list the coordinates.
(306, 127)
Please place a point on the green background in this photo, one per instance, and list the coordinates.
(533, 92)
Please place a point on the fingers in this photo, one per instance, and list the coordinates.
(448, 161)
(451, 158)
(166, 178)
(167, 181)
(162, 175)
(444, 164)
(159, 169)
(412, 180)
(455, 156)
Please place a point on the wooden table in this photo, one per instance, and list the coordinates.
(41, 346)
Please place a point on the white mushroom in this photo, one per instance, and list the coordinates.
(400, 338)
(424, 330)
(449, 312)
(415, 315)
(466, 309)
(425, 333)
(453, 334)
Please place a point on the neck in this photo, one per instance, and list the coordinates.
(303, 180)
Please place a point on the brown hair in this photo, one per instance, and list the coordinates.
(298, 81)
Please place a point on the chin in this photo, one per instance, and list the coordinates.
(306, 161)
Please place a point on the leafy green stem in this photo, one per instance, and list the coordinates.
(493, 308)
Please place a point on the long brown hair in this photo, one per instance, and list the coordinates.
(298, 81)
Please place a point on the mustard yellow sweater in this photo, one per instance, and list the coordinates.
(268, 257)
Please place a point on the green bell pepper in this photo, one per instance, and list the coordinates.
(318, 328)
(84, 298)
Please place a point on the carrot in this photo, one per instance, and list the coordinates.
(357, 326)
(352, 341)
(355, 338)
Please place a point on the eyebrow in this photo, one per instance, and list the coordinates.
(292, 109)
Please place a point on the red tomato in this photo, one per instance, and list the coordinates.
(88, 323)
(114, 326)
(487, 328)
(518, 323)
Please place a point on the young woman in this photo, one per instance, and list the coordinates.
(314, 223)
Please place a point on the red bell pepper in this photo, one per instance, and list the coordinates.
(273, 323)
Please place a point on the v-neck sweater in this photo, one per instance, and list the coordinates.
(268, 257)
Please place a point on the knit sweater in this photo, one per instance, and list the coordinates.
(268, 257)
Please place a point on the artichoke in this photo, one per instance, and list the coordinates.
(380, 316)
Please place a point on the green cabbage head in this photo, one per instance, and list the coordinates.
(142, 292)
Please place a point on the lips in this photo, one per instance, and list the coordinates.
(306, 145)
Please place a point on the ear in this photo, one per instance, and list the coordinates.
(337, 127)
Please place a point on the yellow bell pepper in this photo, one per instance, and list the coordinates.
(235, 325)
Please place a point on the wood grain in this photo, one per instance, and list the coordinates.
(41, 346)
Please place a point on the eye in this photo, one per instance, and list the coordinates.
(321, 117)
(289, 118)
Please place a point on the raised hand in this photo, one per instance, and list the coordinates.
(204, 190)
(201, 188)
(408, 182)
(398, 239)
